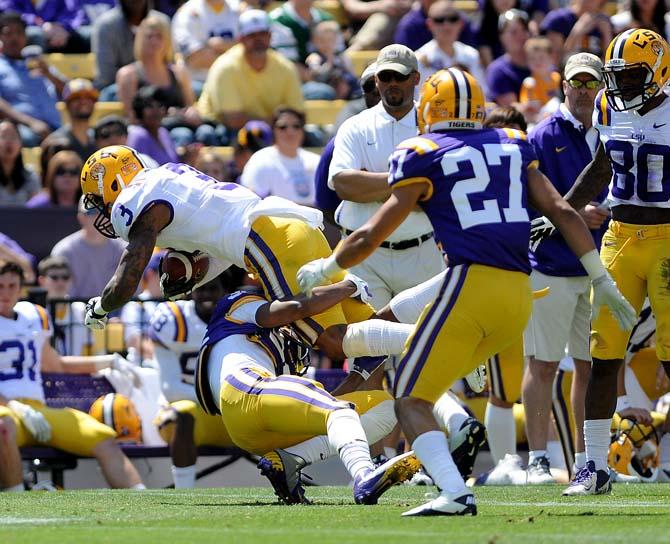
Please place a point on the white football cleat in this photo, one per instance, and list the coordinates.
(538, 472)
(447, 505)
(589, 481)
(508, 471)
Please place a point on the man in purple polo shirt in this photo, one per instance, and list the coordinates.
(565, 144)
(505, 75)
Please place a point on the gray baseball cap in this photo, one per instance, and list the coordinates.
(398, 58)
(369, 72)
(583, 63)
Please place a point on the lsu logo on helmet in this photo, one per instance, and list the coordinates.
(118, 412)
(637, 67)
(634, 451)
(450, 99)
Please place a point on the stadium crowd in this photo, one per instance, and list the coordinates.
(225, 87)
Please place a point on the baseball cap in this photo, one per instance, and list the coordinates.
(255, 135)
(79, 87)
(583, 63)
(368, 73)
(398, 58)
(253, 20)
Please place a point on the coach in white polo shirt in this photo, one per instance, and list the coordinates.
(359, 171)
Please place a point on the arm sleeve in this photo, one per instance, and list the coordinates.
(172, 385)
(246, 312)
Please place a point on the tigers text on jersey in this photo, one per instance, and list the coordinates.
(206, 215)
(21, 343)
(638, 148)
(477, 195)
(176, 326)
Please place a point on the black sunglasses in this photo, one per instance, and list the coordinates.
(387, 75)
(369, 86)
(67, 171)
(446, 19)
(56, 277)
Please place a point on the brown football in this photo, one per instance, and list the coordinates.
(182, 266)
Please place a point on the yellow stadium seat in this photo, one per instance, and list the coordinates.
(361, 59)
(467, 6)
(73, 65)
(31, 158)
(101, 109)
(323, 112)
(226, 152)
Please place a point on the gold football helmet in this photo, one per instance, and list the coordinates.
(118, 412)
(451, 99)
(637, 67)
(104, 175)
(634, 451)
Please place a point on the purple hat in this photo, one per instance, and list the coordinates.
(255, 135)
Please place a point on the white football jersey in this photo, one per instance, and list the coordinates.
(206, 215)
(21, 343)
(638, 147)
(176, 326)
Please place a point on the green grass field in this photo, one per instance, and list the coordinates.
(634, 514)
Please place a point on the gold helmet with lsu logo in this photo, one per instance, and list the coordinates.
(104, 175)
(637, 68)
(119, 413)
(634, 450)
(451, 99)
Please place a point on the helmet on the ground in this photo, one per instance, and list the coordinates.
(119, 413)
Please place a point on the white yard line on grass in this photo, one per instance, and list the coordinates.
(37, 521)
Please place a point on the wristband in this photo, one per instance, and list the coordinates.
(98, 309)
(622, 403)
(593, 265)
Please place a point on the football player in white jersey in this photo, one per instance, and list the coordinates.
(179, 207)
(631, 115)
(25, 420)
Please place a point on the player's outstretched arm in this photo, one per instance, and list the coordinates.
(595, 176)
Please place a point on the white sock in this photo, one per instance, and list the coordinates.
(184, 477)
(18, 488)
(432, 450)
(375, 337)
(555, 454)
(597, 441)
(449, 413)
(138, 487)
(313, 450)
(664, 445)
(580, 459)
(501, 431)
(379, 421)
(347, 436)
(535, 454)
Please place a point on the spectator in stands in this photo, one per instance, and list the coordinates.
(17, 183)
(254, 135)
(582, 26)
(444, 50)
(565, 143)
(329, 73)
(110, 130)
(154, 65)
(61, 182)
(10, 250)
(249, 81)
(149, 137)
(373, 22)
(48, 148)
(212, 164)
(25, 419)
(544, 81)
(136, 315)
(284, 169)
(651, 14)
(80, 97)
(72, 337)
(112, 42)
(412, 30)
(91, 256)
(28, 96)
(505, 75)
(203, 30)
(89, 11)
(53, 25)
(292, 26)
(370, 97)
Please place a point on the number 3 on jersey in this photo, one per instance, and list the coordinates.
(465, 190)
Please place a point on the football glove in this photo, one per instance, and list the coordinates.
(175, 290)
(34, 421)
(540, 229)
(606, 292)
(317, 272)
(362, 290)
(96, 317)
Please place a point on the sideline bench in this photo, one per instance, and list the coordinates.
(79, 391)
